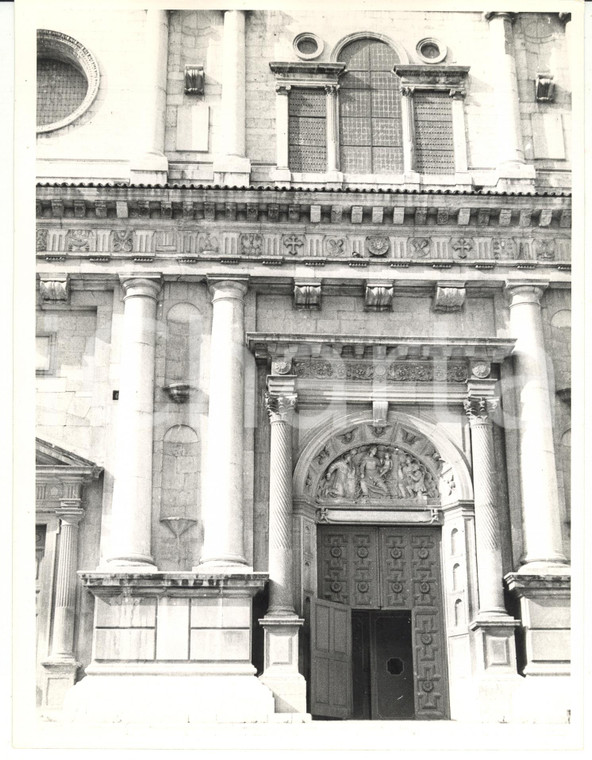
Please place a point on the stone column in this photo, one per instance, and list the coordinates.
(540, 501)
(61, 666)
(232, 166)
(489, 551)
(282, 121)
(493, 629)
(131, 515)
(280, 409)
(332, 139)
(223, 549)
(62, 646)
(510, 149)
(281, 623)
(151, 165)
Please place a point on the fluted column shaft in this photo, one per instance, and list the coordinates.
(510, 149)
(62, 646)
(131, 516)
(281, 596)
(538, 475)
(489, 550)
(408, 128)
(223, 481)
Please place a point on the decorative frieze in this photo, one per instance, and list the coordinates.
(390, 372)
(315, 248)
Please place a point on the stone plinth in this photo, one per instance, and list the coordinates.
(171, 648)
(281, 663)
(545, 613)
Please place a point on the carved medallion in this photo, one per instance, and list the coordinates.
(122, 241)
(377, 245)
(462, 246)
(420, 246)
(41, 240)
(545, 250)
(293, 243)
(78, 240)
(251, 243)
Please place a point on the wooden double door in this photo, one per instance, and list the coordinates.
(376, 627)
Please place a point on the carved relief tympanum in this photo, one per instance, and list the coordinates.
(377, 474)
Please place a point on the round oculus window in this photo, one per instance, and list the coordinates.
(67, 80)
(307, 46)
(431, 50)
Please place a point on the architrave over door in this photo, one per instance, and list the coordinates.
(330, 659)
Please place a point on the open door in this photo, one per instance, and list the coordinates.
(330, 659)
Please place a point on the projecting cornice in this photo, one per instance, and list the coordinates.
(319, 205)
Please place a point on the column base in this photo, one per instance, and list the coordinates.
(281, 175)
(544, 637)
(281, 663)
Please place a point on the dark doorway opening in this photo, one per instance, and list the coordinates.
(382, 665)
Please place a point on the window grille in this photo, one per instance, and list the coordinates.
(370, 138)
(61, 88)
(307, 133)
(434, 145)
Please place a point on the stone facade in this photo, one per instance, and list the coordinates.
(296, 406)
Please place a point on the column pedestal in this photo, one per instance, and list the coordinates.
(171, 649)
(281, 663)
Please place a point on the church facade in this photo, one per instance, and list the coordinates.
(303, 365)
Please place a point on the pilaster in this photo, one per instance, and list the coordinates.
(513, 172)
(150, 166)
(232, 167)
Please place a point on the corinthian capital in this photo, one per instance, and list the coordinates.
(479, 408)
(280, 408)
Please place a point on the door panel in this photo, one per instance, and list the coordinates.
(330, 659)
(380, 568)
(361, 665)
(392, 666)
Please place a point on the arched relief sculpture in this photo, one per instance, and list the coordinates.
(357, 468)
(378, 473)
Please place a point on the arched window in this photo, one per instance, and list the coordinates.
(370, 132)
